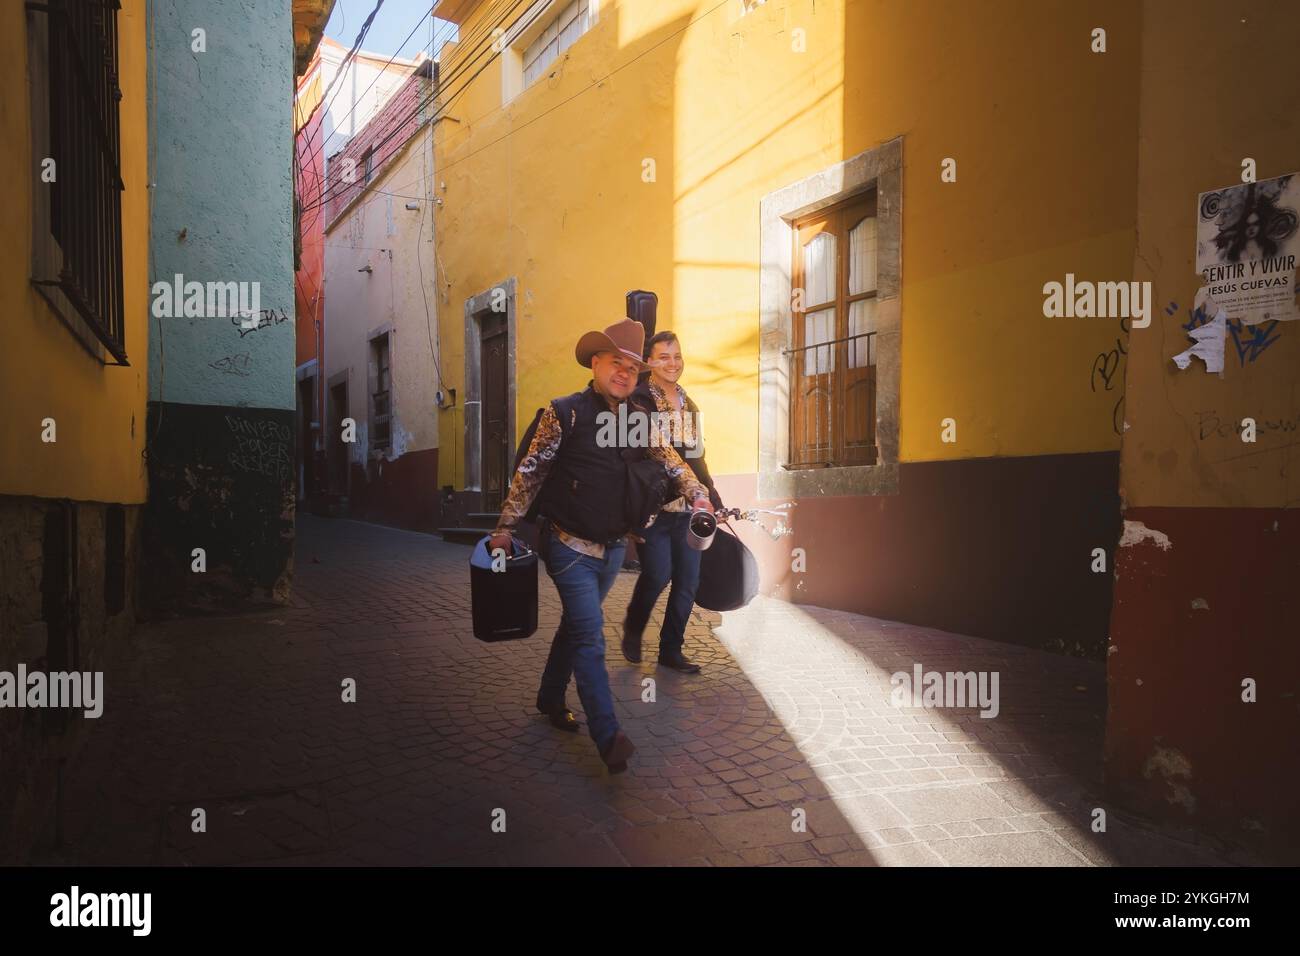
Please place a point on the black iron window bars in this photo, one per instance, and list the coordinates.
(77, 254)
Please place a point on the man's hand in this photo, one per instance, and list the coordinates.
(503, 541)
(702, 504)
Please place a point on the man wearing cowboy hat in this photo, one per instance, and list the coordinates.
(583, 485)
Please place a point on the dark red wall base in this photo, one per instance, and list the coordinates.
(1179, 739)
(999, 548)
(402, 493)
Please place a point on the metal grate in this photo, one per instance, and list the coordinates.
(817, 434)
(381, 397)
(77, 258)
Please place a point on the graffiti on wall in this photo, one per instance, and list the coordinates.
(1209, 423)
(1251, 341)
(261, 446)
(233, 364)
(1108, 372)
(265, 319)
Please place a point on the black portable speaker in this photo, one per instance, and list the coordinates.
(503, 603)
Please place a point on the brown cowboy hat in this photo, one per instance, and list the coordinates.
(626, 337)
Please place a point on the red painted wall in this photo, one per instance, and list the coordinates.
(1180, 741)
(402, 493)
(387, 132)
(309, 293)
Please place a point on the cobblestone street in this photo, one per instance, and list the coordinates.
(242, 716)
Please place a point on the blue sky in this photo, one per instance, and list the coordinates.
(395, 20)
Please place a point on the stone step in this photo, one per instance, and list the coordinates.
(465, 535)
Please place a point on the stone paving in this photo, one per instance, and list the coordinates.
(790, 720)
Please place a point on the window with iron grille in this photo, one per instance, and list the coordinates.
(77, 190)
(381, 395)
(572, 22)
(832, 367)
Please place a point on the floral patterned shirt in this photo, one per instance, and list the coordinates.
(686, 425)
(536, 465)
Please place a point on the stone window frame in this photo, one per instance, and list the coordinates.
(880, 168)
(531, 24)
(374, 450)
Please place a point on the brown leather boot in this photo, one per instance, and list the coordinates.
(615, 756)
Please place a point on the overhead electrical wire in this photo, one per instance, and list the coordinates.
(351, 55)
(474, 52)
(592, 84)
(463, 64)
(488, 29)
(444, 83)
(314, 151)
(343, 66)
(451, 27)
(308, 210)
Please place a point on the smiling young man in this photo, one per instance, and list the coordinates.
(586, 490)
(665, 554)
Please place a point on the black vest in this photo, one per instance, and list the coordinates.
(587, 489)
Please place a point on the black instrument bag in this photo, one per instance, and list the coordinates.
(728, 573)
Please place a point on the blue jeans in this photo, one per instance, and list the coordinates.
(666, 556)
(578, 649)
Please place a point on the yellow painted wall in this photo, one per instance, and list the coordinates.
(549, 189)
(99, 410)
(1184, 446)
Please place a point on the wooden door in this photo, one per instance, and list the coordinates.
(306, 415)
(338, 449)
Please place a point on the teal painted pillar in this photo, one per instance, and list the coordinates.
(221, 344)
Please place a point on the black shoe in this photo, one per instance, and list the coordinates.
(561, 718)
(631, 645)
(678, 662)
(564, 720)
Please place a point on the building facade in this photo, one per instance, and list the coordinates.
(221, 390)
(123, 457)
(1204, 667)
(381, 353)
(332, 102)
(727, 158)
(851, 214)
(75, 297)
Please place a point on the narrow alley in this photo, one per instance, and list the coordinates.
(242, 717)
(880, 416)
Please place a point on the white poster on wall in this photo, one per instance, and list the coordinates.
(1247, 246)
